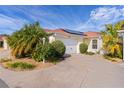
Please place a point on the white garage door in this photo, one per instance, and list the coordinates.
(71, 49)
(71, 45)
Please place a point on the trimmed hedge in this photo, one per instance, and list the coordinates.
(59, 47)
(83, 48)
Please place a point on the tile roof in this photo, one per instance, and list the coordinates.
(64, 31)
(1, 38)
(60, 31)
(91, 34)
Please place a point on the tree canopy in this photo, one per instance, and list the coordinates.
(112, 43)
(24, 41)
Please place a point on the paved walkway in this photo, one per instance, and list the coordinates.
(75, 71)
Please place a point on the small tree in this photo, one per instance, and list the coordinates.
(46, 52)
(41, 52)
(112, 43)
(24, 41)
(51, 52)
(83, 48)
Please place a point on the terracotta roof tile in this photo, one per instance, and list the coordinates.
(60, 31)
(90, 34)
(1, 38)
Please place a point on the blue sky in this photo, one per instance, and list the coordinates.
(80, 18)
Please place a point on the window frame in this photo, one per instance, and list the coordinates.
(94, 44)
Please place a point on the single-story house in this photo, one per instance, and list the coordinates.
(71, 39)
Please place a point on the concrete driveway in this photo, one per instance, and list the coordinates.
(3, 84)
(4, 54)
(76, 71)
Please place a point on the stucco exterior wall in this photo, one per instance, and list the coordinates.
(51, 39)
(99, 45)
(5, 45)
(78, 47)
(71, 42)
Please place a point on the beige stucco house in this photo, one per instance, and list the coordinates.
(72, 40)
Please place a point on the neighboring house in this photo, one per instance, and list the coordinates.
(3, 42)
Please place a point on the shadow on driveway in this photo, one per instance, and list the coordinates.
(3, 84)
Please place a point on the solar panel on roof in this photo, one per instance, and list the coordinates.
(73, 32)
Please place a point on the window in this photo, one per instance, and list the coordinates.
(94, 44)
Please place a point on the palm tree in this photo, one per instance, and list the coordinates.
(112, 43)
(120, 25)
(24, 41)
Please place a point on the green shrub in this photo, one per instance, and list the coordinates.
(83, 48)
(40, 52)
(20, 65)
(59, 47)
(90, 53)
(46, 52)
(108, 57)
(51, 52)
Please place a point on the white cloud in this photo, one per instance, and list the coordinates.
(101, 16)
(106, 13)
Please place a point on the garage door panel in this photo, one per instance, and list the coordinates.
(68, 41)
(71, 49)
(71, 45)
